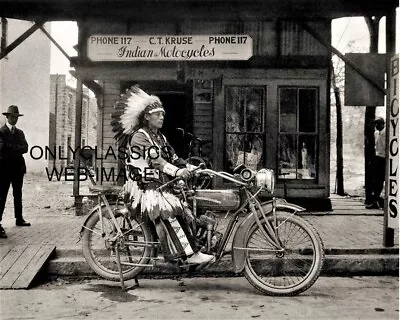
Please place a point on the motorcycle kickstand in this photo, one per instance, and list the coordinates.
(134, 286)
(121, 276)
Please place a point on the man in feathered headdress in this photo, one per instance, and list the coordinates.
(154, 162)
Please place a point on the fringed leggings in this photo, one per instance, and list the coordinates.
(170, 244)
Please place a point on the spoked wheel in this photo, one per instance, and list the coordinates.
(290, 271)
(100, 253)
(204, 181)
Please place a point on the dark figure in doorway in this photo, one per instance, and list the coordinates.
(12, 165)
(380, 164)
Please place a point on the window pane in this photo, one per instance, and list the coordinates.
(307, 110)
(244, 109)
(233, 145)
(250, 152)
(244, 127)
(287, 157)
(288, 109)
(307, 158)
(244, 149)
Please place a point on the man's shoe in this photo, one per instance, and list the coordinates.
(373, 205)
(3, 234)
(381, 203)
(22, 223)
(198, 258)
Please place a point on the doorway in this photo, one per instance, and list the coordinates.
(175, 117)
(177, 100)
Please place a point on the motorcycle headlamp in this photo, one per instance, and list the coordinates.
(246, 174)
(266, 178)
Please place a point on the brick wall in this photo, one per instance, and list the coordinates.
(62, 121)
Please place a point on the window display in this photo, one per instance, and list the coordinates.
(244, 126)
(297, 133)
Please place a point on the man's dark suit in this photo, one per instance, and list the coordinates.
(12, 167)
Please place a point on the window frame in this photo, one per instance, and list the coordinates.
(263, 132)
(297, 133)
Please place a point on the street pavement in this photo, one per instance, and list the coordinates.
(330, 298)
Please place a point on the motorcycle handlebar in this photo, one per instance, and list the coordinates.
(201, 169)
(202, 165)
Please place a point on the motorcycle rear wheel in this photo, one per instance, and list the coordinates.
(288, 273)
(101, 256)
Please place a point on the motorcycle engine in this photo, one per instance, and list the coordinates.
(207, 236)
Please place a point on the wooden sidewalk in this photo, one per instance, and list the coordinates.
(351, 206)
(20, 264)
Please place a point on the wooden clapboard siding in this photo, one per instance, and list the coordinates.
(111, 95)
(297, 41)
(152, 28)
(203, 117)
(263, 33)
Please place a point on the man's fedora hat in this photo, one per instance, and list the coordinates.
(12, 110)
(379, 120)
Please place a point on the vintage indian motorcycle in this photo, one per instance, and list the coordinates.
(279, 252)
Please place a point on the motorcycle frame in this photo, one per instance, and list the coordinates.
(230, 231)
(256, 209)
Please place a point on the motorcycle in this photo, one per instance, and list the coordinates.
(279, 252)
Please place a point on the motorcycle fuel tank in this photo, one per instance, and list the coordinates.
(218, 199)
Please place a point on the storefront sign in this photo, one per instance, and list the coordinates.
(393, 147)
(167, 48)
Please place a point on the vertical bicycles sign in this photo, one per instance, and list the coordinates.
(393, 146)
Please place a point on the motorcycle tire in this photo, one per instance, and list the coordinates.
(101, 256)
(291, 272)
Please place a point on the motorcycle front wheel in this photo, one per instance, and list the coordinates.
(290, 271)
(100, 253)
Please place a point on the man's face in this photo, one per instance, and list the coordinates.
(12, 119)
(156, 119)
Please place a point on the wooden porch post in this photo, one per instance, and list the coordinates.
(369, 124)
(78, 132)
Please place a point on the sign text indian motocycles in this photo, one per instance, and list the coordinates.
(164, 48)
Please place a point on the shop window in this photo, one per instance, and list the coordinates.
(244, 126)
(298, 133)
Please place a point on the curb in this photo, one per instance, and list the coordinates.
(338, 262)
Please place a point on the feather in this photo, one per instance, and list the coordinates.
(127, 111)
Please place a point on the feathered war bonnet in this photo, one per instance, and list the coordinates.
(129, 112)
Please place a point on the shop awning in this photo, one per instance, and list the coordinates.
(164, 10)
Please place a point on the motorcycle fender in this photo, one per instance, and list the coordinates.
(95, 211)
(92, 212)
(239, 240)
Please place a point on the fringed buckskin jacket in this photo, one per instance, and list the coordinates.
(154, 162)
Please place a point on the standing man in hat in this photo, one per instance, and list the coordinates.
(380, 164)
(12, 165)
